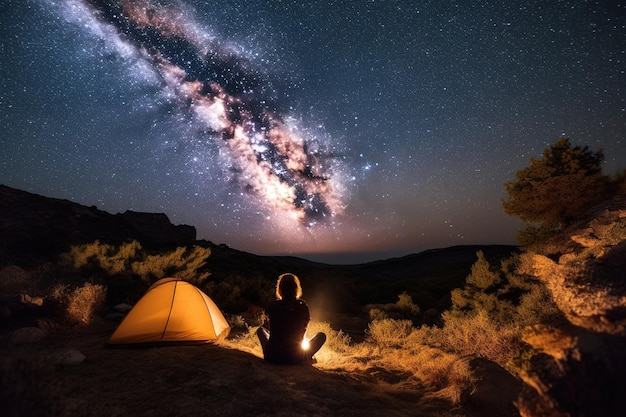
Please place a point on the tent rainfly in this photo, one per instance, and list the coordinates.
(172, 311)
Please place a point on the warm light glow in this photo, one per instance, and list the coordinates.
(305, 343)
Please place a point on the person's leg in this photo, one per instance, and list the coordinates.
(316, 342)
(264, 335)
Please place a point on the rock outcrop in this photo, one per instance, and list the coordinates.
(157, 228)
(579, 368)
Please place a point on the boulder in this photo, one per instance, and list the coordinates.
(27, 335)
(495, 393)
(578, 367)
(70, 357)
(17, 306)
(13, 279)
(575, 372)
(122, 308)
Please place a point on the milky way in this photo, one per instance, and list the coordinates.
(361, 129)
(235, 101)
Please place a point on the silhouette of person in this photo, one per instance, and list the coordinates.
(287, 320)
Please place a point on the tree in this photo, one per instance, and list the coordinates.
(559, 188)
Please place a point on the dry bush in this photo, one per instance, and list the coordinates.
(338, 344)
(446, 374)
(477, 334)
(397, 345)
(389, 332)
(59, 293)
(81, 304)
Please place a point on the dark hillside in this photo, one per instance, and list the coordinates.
(435, 270)
(35, 229)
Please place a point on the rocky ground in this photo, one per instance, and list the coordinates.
(192, 380)
(71, 373)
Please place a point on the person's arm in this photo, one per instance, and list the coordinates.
(266, 319)
(307, 318)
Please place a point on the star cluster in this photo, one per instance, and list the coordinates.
(378, 128)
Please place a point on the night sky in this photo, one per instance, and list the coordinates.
(342, 131)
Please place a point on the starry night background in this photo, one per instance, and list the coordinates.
(341, 131)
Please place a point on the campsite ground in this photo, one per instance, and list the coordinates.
(203, 380)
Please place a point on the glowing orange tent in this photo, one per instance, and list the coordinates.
(172, 311)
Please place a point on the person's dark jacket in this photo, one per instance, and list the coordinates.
(288, 320)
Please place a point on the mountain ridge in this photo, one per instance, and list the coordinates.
(33, 225)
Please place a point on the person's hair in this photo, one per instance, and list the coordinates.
(288, 287)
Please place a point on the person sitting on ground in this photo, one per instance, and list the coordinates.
(287, 320)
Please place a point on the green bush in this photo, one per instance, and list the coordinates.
(182, 263)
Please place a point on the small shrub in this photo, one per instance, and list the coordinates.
(405, 303)
(483, 276)
(81, 304)
(402, 309)
(338, 344)
(377, 314)
(59, 292)
(85, 301)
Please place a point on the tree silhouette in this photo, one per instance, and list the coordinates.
(557, 189)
